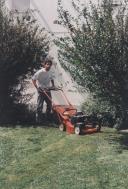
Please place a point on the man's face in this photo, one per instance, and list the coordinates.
(47, 66)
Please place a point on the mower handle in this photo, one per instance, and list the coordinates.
(45, 90)
(69, 109)
(51, 89)
(55, 88)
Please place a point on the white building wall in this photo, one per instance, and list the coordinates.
(20, 5)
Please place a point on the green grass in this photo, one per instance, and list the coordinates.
(45, 158)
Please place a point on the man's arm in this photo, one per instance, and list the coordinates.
(34, 83)
(52, 81)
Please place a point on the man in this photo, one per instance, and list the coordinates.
(43, 80)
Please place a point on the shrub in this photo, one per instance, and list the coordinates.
(22, 44)
(96, 52)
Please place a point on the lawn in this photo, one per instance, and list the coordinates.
(45, 158)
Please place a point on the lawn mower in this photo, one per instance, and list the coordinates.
(68, 118)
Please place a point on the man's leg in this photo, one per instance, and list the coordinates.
(49, 104)
(40, 101)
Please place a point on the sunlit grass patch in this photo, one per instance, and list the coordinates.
(45, 158)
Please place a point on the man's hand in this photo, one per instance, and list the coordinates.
(54, 88)
(39, 90)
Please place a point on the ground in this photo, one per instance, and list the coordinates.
(45, 158)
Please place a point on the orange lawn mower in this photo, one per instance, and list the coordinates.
(68, 118)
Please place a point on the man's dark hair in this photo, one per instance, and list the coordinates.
(47, 61)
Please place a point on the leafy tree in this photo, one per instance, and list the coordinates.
(22, 43)
(96, 51)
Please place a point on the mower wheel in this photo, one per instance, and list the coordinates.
(62, 127)
(98, 127)
(77, 130)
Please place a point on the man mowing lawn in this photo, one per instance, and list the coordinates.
(43, 80)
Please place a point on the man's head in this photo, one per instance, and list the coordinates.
(47, 64)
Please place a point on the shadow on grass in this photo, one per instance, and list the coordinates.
(45, 124)
(123, 141)
(118, 138)
(30, 122)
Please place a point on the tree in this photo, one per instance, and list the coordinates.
(96, 52)
(22, 43)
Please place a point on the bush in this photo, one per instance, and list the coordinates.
(95, 52)
(22, 44)
(103, 110)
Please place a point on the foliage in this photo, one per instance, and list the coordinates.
(22, 43)
(103, 110)
(92, 105)
(96, 51)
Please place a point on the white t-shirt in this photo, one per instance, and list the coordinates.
(43, 78)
